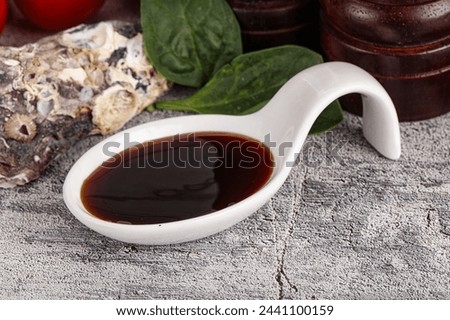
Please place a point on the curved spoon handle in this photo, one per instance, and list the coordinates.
(301, 100)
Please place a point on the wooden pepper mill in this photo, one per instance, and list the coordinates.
(405, 44)
(269, 23)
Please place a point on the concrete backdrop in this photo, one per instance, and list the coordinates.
(346, 224)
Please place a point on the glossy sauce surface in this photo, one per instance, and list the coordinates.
(177, 178)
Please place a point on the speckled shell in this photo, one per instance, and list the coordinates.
(86, 80)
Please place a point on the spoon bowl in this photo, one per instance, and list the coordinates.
(284, 122)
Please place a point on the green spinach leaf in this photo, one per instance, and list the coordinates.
(189, 40)
(247, 83)
(328, 119)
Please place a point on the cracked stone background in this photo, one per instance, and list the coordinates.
(347, 224)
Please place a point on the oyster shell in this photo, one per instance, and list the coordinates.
(86, 80)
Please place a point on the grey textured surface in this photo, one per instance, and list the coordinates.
(346, 224)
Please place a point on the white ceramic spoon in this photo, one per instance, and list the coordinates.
(288, 118)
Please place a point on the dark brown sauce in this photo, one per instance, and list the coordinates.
(177, 178)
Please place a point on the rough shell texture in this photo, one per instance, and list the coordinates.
(86, 80)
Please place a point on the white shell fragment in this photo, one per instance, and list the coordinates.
(85, 80)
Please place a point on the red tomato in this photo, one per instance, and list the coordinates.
(3, 13)
(55, 15)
